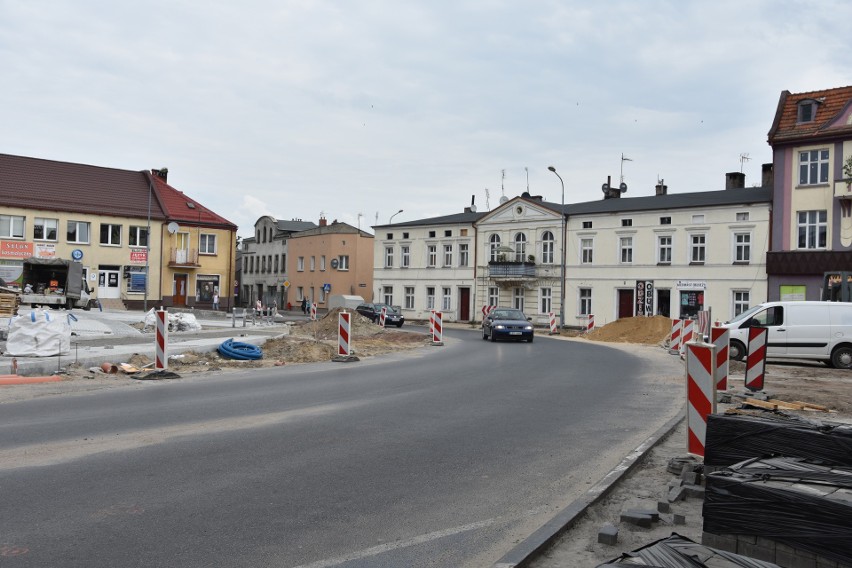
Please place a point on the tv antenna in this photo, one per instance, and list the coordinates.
(359, 220)
(743, 159)
(503, 198)
(487, 201)
(528, 178)
(623, 159)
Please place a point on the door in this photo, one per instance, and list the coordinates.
(108, 282)
(808, 330)
(664, 301)
(179, 294)
(625, 303)
(182, 252)
(464, 304)
(772, 318)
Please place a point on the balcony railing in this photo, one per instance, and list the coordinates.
(511, 269)
(183, 257)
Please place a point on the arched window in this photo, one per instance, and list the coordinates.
(547, 246)
(494, 245)
(520, 247)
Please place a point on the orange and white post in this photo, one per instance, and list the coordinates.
(344, 348)
(438, 328)
(161, 357)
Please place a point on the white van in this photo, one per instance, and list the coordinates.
(798, 330)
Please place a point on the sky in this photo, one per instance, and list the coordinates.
(356, 109)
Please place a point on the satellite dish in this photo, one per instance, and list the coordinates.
(172, 228)
(472, 208)
(605, 187)
(503, 200)
(623, 187)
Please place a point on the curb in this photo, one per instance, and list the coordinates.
(545, 537)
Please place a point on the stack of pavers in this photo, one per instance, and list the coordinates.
(779, 489)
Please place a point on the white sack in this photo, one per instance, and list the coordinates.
(177, 321)
(38, 333)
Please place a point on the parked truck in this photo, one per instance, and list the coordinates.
(55, 282)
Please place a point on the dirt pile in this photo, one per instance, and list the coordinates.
(649, 331)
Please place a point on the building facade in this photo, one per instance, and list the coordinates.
(811, 140)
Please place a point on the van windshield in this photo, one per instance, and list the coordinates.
(747, 314)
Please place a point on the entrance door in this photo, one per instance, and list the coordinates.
(108, 282)
(464, 304)
(179, 297)
(625, 303)
(664, 302)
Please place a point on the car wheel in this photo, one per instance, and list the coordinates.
(492, 336)
(736, 350)
(484, 335)
(530, 339)
(841, 358)
(399, 324)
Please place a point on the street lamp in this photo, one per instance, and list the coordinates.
(562, 283)
(394, 215)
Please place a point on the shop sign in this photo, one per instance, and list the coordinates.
(16, 249)
(691, 285)
(138, 255)
(644, 297)
(45, 250)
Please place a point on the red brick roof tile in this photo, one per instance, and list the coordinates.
(183, 209)
(831, 105)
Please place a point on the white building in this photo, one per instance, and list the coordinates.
(670, 255)
(427, 264)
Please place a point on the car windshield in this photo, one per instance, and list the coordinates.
(747, 314)
(391, 309)
(509, 315)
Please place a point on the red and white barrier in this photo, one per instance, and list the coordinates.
(721, 337)
(756, 358)
(675, 336)
(700, 394)
(703, 327)
(161, 358)
(687, 334)
(552, 319)
(383, 316)
(431, 322)
(437, 329)
(313, 312)
(343, 336)
(590, 322)
(487, 310)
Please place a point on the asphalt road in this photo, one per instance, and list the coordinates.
(446, 456)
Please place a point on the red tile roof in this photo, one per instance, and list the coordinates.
(183, 209)
(831, 105)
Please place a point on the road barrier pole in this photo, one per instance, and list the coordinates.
(161, 358)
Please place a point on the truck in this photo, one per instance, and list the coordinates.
(55, 282)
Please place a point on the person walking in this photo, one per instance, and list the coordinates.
(216, 301)
(305, 306)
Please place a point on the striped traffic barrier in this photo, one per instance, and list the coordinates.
(437, 329)
(487, 310)
(313, 311)
(675, 336)
(700, 394)
(161, 358)
(720, 337)
(687, 334)
(383, 316)
(431, 322)
(343, 336)
(756, 359)
(590, 322)
(552, 319)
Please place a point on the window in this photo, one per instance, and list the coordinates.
(406, 256)
(322, 263)
(813, 167)
(78, 232)
(251, 264)
(520, 247)
(388, 257)
(430, 297)
(494, 247)
(321, 294)
(664, 247)
(390, 236)
(546, 300)
(665, 220)
(431, 234)
(547, 245)
(343, 262)
(300, 264)
(464, 254)
(263, 265)
(585, 296)
(742, 248)
(313, 263)
(448, 233)
(276, 264)
(463, 232)
(493, 296)
(45, 229)
(283, 263)
(741, 301)
(300, 293)
(742, 216)
(138, 237)
(405, 235)
(812, 229)
(206, 285)
(806, 111)
(432, 255)
(138, 280)
(518, 298)
(627, 222)
(245, 264)
(698, 249)
(448, 255)
(207, 244)
(446, 302)
(587, 224)
(409, 297)
(698, 218)
(110, 234)
(625, 247)
(12, 226)
(387, 295)
(586, 248)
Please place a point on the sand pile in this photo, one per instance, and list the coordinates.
(651, 331)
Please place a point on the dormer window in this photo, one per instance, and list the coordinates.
(807, 110)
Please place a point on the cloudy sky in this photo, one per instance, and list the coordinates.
(300, 108)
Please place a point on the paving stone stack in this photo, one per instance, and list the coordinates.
(677, 551)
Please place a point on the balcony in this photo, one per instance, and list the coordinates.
(183, 258)
(511, 270)
(843, 189)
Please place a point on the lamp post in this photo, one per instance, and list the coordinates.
(394, 215)
(562, 252)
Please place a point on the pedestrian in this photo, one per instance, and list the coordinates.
(305, 306)
(258, 306)
(216, 301)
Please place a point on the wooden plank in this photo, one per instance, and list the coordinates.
(787, 405)
(809, 406)
(761, 404)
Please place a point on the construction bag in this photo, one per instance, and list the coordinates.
(38, 334)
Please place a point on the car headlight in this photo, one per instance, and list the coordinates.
(499, 326)
(528, 328)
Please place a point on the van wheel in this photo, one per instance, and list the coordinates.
(841, 358)
(736, 350)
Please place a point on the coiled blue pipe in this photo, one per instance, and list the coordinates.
(238, 350)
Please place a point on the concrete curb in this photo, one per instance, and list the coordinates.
(544, 538)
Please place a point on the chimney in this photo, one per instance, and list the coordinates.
(767, 175)
(734, 180)
(323, 222)
(161, 173)
(661, 188)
